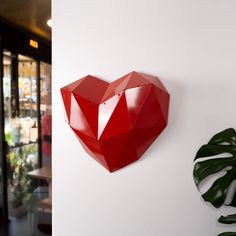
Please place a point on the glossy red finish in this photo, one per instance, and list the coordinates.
(116, 122)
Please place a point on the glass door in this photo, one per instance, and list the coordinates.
(5, 115)
(21, 129)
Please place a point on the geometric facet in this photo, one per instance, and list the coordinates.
(117, 122)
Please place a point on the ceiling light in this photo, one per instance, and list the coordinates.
(49, 22)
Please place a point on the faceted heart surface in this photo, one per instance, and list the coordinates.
(116, 122)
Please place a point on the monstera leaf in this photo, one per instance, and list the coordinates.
(230, 219)
(221, 143)
(228, 234)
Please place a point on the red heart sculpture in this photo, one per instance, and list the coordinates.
(116, 122)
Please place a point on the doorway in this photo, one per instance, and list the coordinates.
(26, 99)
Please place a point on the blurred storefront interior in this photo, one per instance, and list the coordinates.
(25, 118)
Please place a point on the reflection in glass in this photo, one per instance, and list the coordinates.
(27, 86)
(7, 85)
(46, 113)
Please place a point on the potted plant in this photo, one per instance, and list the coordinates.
(21, 160)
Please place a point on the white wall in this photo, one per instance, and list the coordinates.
(191, 46)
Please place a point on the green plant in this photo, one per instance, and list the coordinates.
(221, 143)
(9, 138)
(20, 162)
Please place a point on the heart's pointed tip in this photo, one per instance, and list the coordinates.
(109, 169)
(112, 169)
